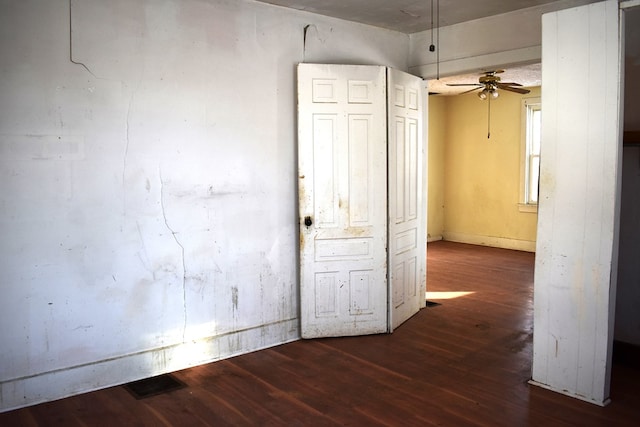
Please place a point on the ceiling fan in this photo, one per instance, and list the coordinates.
(489, 82)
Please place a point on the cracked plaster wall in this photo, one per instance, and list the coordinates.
(147, 188)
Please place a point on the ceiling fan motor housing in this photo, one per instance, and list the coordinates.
(489, 79)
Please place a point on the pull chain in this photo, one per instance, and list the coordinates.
(489, 119)
(432, 46)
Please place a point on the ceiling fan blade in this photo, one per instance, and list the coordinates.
(470, 90)
(514, 89)
(464, 84)
(510, 84)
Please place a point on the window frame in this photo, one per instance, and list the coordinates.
(529, 105)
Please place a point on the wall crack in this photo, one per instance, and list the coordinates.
(127, 129)
(184, 267)
(126, 147)
(71, 44)
(305, 38)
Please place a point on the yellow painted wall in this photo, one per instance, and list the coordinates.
(481, 177)
(435, 206)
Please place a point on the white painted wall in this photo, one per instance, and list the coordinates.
(147, 183)
(576, 256)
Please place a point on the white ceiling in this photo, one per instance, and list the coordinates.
(410, 16)
(407, 16)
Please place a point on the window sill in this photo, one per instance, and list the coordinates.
(528, 208)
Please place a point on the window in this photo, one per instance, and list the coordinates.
(530, 162)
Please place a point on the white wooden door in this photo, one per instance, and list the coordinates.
(407, 197)
(342, 159)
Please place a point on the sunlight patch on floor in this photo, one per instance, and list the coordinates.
(447, 295)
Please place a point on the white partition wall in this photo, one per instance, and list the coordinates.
(579, 198)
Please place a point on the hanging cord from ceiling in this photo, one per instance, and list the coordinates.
(438, 39)
(432, 46)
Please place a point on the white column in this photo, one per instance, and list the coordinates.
(576, 256)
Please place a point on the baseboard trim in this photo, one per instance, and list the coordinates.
(433, 238)
(496, 242)
(60, 383)
(602, 403)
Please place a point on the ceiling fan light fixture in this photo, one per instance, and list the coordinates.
(488, 92)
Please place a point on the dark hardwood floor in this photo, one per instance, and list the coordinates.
(464, 362)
